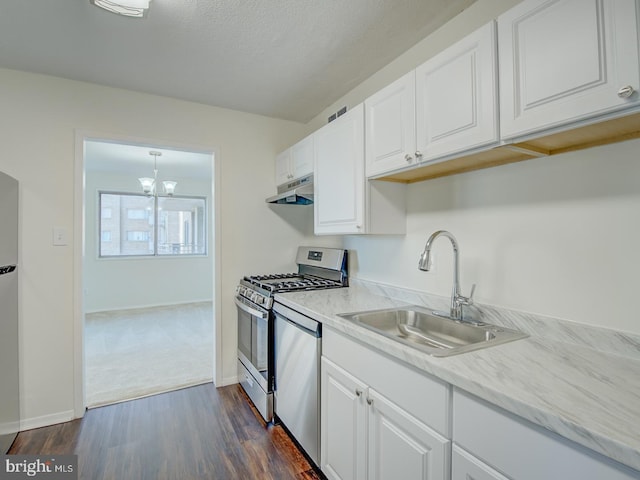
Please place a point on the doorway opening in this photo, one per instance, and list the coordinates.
(148, 269)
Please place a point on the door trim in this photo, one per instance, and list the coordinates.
(79, 403)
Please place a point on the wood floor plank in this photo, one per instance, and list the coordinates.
(195, 433)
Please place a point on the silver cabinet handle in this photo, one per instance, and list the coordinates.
(370, 401)
(626, 91)
(408, 158)
(358, 392)
(418, 154)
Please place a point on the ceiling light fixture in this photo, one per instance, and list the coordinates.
(149, 184)
(128, 8)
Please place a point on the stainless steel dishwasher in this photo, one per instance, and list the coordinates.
(297, 390)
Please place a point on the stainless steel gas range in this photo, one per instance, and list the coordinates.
(318, 268)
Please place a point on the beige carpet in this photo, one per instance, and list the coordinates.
(135, 353)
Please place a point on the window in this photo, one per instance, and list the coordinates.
(181, 226)
(138, 225)
(137, 214)
(137, 236)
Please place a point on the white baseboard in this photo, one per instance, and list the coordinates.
(46, 420)
(228, 381)
(9, 427)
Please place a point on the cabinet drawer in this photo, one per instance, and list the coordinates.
(421, 395)
(524, 451)
(465, 466)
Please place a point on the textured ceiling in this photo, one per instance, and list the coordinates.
(281, 58)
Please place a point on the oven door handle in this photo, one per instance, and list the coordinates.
(251, 311)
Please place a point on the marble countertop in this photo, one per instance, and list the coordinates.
(585, 395)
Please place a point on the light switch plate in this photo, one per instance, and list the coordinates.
(60, 236)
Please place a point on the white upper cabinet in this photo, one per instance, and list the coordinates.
(338, 204)
(344, 201)
(447, 105)
(283, 167)
(563, 61)
(391, 126)
(550, 76)
(457, 99)
(295, 162)
(302, 157)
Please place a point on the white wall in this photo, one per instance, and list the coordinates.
(40, 116)
(119, 283)
(556, 236)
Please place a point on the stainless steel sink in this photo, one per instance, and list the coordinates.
(432, 333)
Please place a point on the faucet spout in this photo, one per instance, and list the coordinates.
(457, 300)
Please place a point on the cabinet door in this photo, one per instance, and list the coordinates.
(339, 175)
(400, 446)
(456, 96)
(302, 157)
(343, 424)
(390, 123)
(283, 172)
(465, 466)
(565, 60)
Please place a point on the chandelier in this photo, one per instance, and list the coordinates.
(149, 184)
(128, 8)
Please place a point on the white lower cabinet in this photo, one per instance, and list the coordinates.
(343, 428)
(366, 436)
(380, 419)
(401, 446)
(488, 440)
(465, 466)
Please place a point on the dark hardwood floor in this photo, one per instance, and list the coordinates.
(195, 433)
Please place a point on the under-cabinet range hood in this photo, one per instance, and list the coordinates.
(296, 192)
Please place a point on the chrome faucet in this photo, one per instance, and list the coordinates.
(457, 300)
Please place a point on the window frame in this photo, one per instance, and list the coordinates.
(155, 216)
